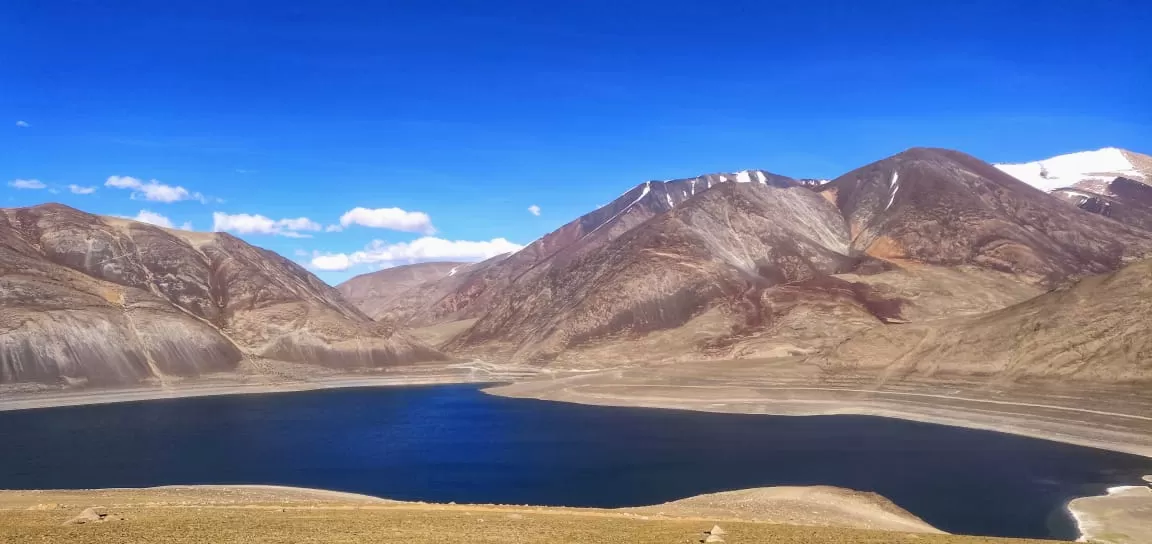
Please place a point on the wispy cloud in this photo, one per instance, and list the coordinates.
(389, 218)
(81, 190)
(27, 184)
(22, 124)
(427, 248)
(534, 210)
(153, 190)
(243, 223)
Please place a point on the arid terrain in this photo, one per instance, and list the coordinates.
(929, 286)
(170, 515)
(91, 300)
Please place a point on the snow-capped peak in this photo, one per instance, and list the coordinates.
(1067, 170)
(748, 176)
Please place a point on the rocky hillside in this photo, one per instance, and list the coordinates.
(471, 291)
(376, 293)
(686, 269)
(100, 300)
(1096, 330)
(942, 207)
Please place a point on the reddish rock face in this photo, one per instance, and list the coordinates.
(108, 300)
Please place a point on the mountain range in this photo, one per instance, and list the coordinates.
(927, 261)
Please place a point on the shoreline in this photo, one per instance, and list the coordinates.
(72, 398)
(493, 384)
(568, 389)
(1110, 518)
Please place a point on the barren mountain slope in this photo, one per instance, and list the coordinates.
(108, 300)
(721, 248)
(373, 293)
(942, 207)
(1096, 330)
(471, 291)
(1121, 199)
(760, 269)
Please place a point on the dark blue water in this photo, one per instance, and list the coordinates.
(454, 443)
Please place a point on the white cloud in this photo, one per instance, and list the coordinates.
(333, 228)
(22, 124)
(243, 223)
(153, 218)
(79, 190)
(534, 210)
(337, 261)
(389, 218)
(427, 248)
(27, 184)
(153, 190)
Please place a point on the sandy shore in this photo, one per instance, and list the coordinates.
(1117, 419)
(1122, 516)
(233, 384)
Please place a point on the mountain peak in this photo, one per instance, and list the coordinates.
(1067, 170)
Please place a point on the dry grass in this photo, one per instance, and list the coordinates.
(279, 515)
(249, 525)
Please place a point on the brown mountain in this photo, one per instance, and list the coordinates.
(102, 300)
(469, 293)
(376, 292)
(1096, 330)
(942, 207)
(773, 268)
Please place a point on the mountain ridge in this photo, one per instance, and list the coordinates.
(148, 303)
(908, 233)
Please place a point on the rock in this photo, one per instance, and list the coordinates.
(89, 515)
(716, 530)
(713, 538)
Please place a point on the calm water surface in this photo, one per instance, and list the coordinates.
(454, 443)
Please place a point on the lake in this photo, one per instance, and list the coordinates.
(454, 443)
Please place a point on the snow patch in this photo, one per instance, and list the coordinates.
(743, 176)
(894, 183)
(761, 177)
(643, 193)
(1065, 170)
(453, 271)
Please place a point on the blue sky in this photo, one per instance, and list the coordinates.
(445, 121)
